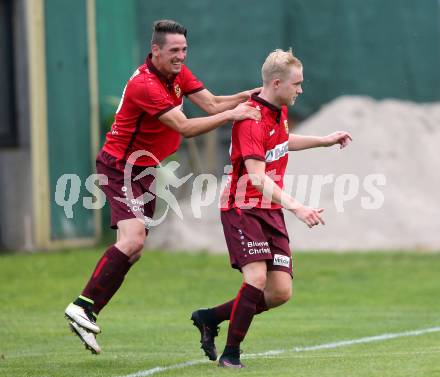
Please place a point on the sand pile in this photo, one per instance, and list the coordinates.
(382, 192)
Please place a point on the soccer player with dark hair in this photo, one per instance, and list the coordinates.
(149, 119)
(252, 203)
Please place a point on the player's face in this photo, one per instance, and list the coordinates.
(172, 54)
(290, 88)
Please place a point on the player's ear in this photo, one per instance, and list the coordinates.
(276, 83)
(155, 49)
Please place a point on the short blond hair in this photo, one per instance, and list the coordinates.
(278, 64)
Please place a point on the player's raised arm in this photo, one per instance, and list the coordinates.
(301, 142)
(271, 191)
(213, 104)
(190, 127)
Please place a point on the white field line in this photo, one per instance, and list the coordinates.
(343, 343)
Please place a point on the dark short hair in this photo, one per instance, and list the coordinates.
(163, 27)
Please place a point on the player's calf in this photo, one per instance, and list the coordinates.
(277, 298)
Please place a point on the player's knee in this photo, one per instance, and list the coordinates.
(132, 245)
(282, 295)
(258, 280)
(136, 245)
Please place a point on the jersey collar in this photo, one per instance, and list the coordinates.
(162, 77)
(269, 105)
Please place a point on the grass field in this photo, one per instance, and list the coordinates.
(336, 297)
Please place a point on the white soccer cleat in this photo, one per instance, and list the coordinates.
(87, 337)
(78, 315)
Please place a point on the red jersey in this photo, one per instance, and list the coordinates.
(266, 140)
(148, 95)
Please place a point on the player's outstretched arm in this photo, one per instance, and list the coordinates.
(213, 104)
(271, 191)
(177, 120)
(300, 142)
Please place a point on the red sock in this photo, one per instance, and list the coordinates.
(223, 312)
(103, 299)
(261, 306)
(243, 311)
(107, 276)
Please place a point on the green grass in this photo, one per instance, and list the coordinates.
(336, 297)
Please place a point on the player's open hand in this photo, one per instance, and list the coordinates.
(249, 92)
(246, 111)
(342, 138)
(310, 216)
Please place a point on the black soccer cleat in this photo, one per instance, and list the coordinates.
(228, 361)
(207, 335)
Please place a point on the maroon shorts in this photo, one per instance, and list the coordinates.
(257, 235)
(123, 204)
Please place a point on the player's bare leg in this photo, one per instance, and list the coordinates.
(131, 238)
(278, 288)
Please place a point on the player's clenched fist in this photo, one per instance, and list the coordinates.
(310, 216)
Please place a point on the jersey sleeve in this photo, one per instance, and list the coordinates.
(250, 137)
(150, 97)
(190, 83)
